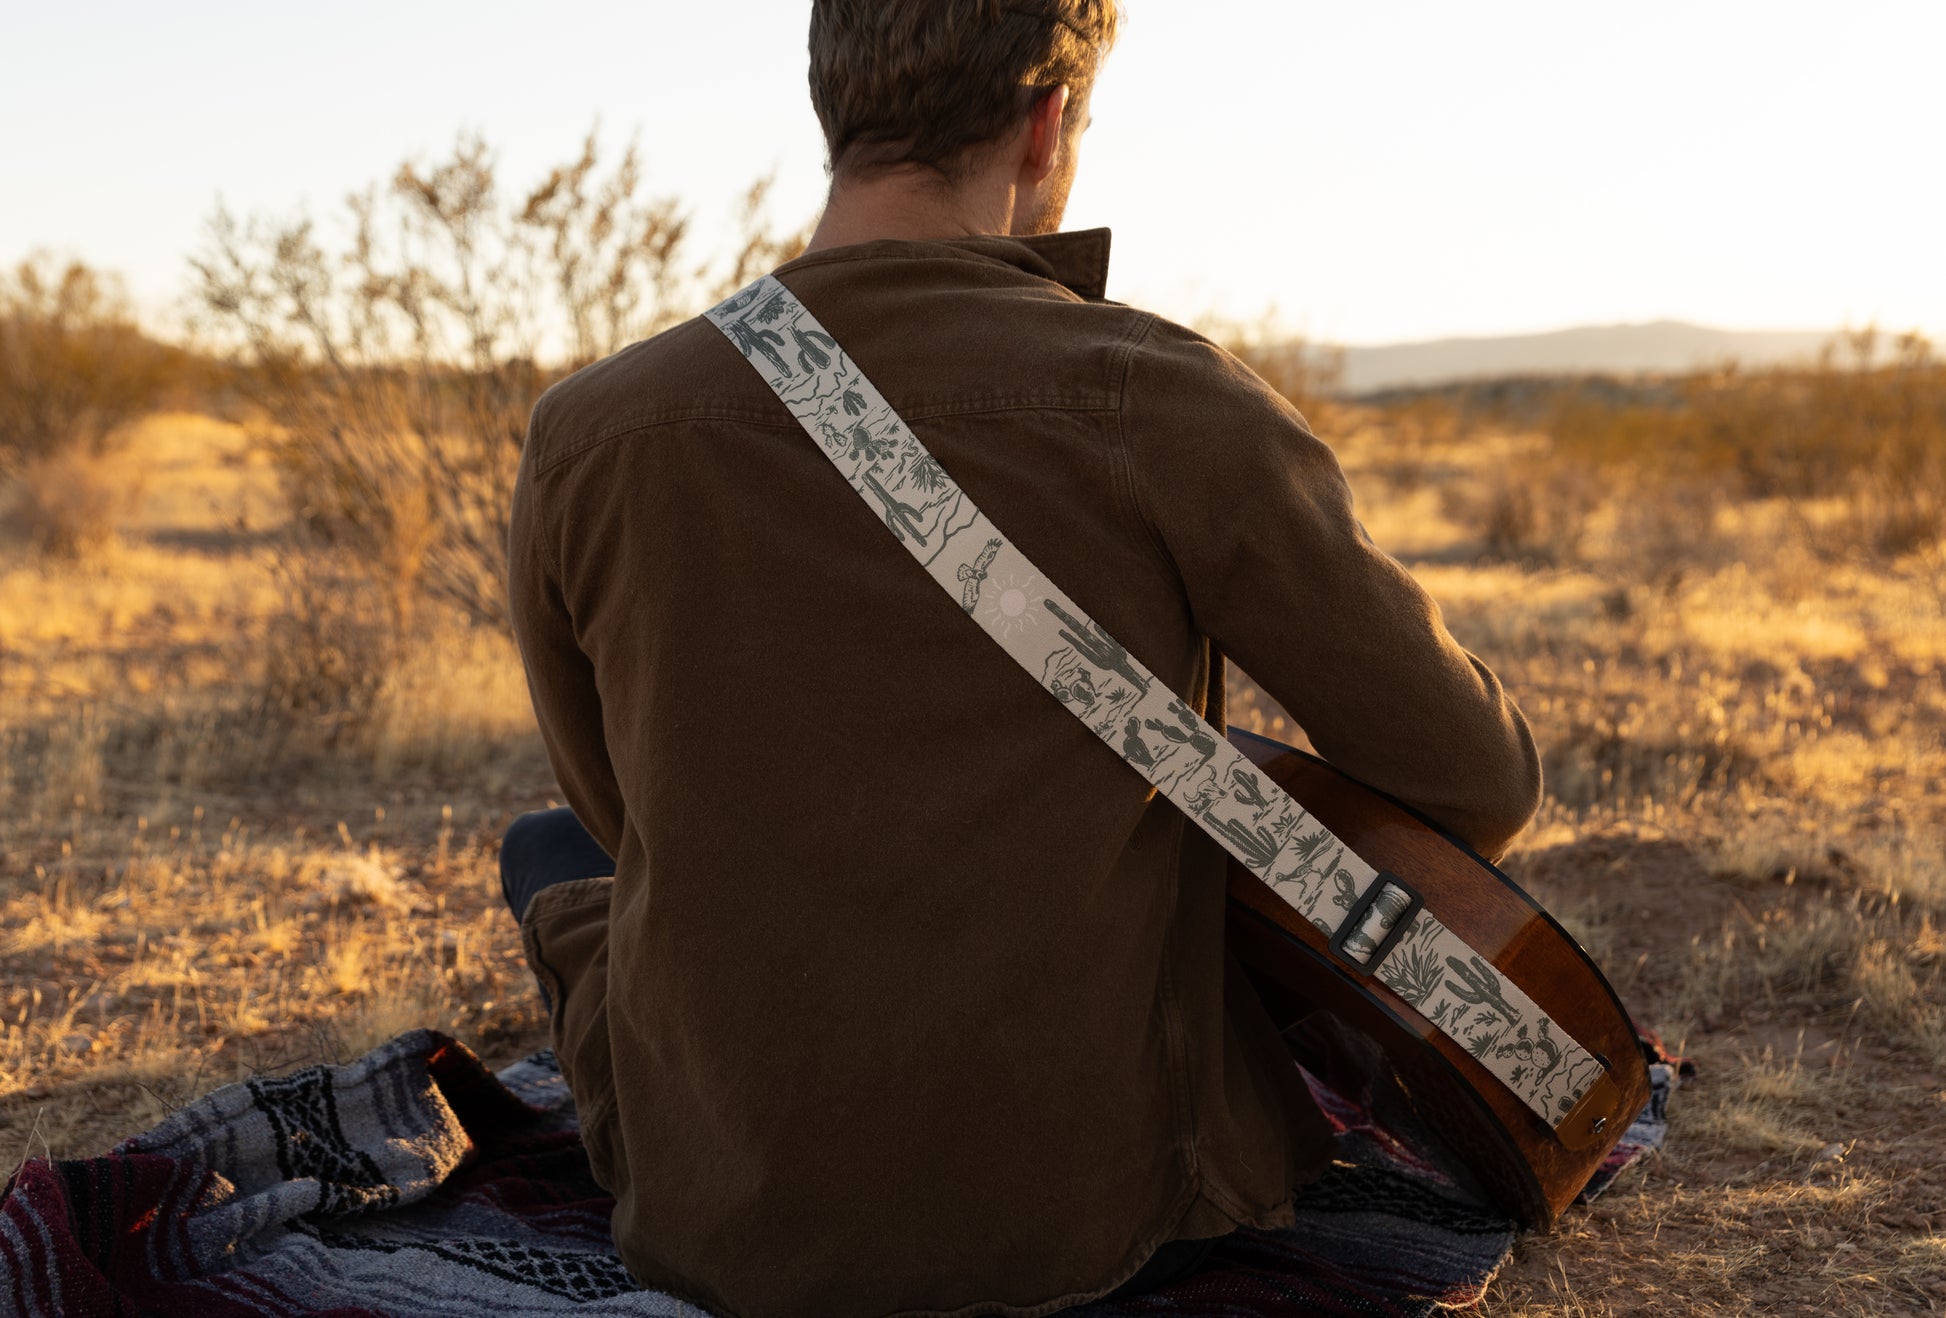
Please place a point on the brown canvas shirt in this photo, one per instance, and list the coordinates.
(908, 995)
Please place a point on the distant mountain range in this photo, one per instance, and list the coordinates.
(1660, 346)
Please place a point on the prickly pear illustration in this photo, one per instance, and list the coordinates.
(1196, 739)
(866, 445)
(1540, 1051)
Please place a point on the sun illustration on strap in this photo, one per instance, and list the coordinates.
(1010, 604)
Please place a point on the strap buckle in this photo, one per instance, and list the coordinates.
(1362, 907)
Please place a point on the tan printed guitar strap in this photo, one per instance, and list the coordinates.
(1375, 922)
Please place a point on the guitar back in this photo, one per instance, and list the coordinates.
(1532, 1170)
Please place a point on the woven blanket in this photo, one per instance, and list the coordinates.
(415, 1183)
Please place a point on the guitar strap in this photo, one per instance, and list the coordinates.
(1376, 923)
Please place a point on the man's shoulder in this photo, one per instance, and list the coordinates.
(1173, 365)
(680, 373)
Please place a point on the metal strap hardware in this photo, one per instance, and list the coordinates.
(1384, 930)
(1381, 924)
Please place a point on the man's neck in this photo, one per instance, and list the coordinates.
(900, 206)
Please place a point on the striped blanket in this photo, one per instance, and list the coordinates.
(415, 1183)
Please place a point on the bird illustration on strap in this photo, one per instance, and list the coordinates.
(974, 574)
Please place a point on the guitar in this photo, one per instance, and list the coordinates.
(1530, 1169)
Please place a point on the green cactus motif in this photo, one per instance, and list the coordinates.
(773, 310)
(1196, 739)
(902, 518)
(1097, 647)
(1249, 791)
(809, 355)
(854, 402)
(1479, 985)
(753, 340)
(1257, 845)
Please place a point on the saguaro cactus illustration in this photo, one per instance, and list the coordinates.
(1097, 647)
(753, 340)
(1256, 843)
(809, 355)
(902, 518)
(1248, 791)
(1479, 984)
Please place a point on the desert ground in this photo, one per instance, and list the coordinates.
(1744, 726)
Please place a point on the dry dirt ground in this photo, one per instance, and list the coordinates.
(1743, 826)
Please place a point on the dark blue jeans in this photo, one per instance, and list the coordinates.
(543, 847)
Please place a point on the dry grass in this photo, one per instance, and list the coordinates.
(206, 877)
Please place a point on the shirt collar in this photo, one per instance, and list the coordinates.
(1076, 259)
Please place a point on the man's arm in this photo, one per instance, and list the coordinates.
(560, 677)
(1254, 512)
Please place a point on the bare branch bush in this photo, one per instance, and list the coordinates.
(75, 368)
(393, 379)
(1305, 373)
(75, 371)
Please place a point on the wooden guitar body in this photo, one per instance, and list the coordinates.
(1532, 1171)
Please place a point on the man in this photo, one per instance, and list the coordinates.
(907, 994)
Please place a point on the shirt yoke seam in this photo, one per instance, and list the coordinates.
(543, 462)
(1122, 446)
(711, 413)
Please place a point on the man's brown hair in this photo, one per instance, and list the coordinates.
(928, 82)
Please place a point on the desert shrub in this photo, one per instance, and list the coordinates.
(75, 368)
(1305, 373)
(394, 379)
(67, 503)
(1864, 428)
(326, 654)
(1536, 510)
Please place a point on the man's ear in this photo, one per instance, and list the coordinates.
(1044, 123)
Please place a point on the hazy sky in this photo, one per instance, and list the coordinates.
(1375, 170)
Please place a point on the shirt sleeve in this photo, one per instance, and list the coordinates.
(560, 676)
(1253, 511)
